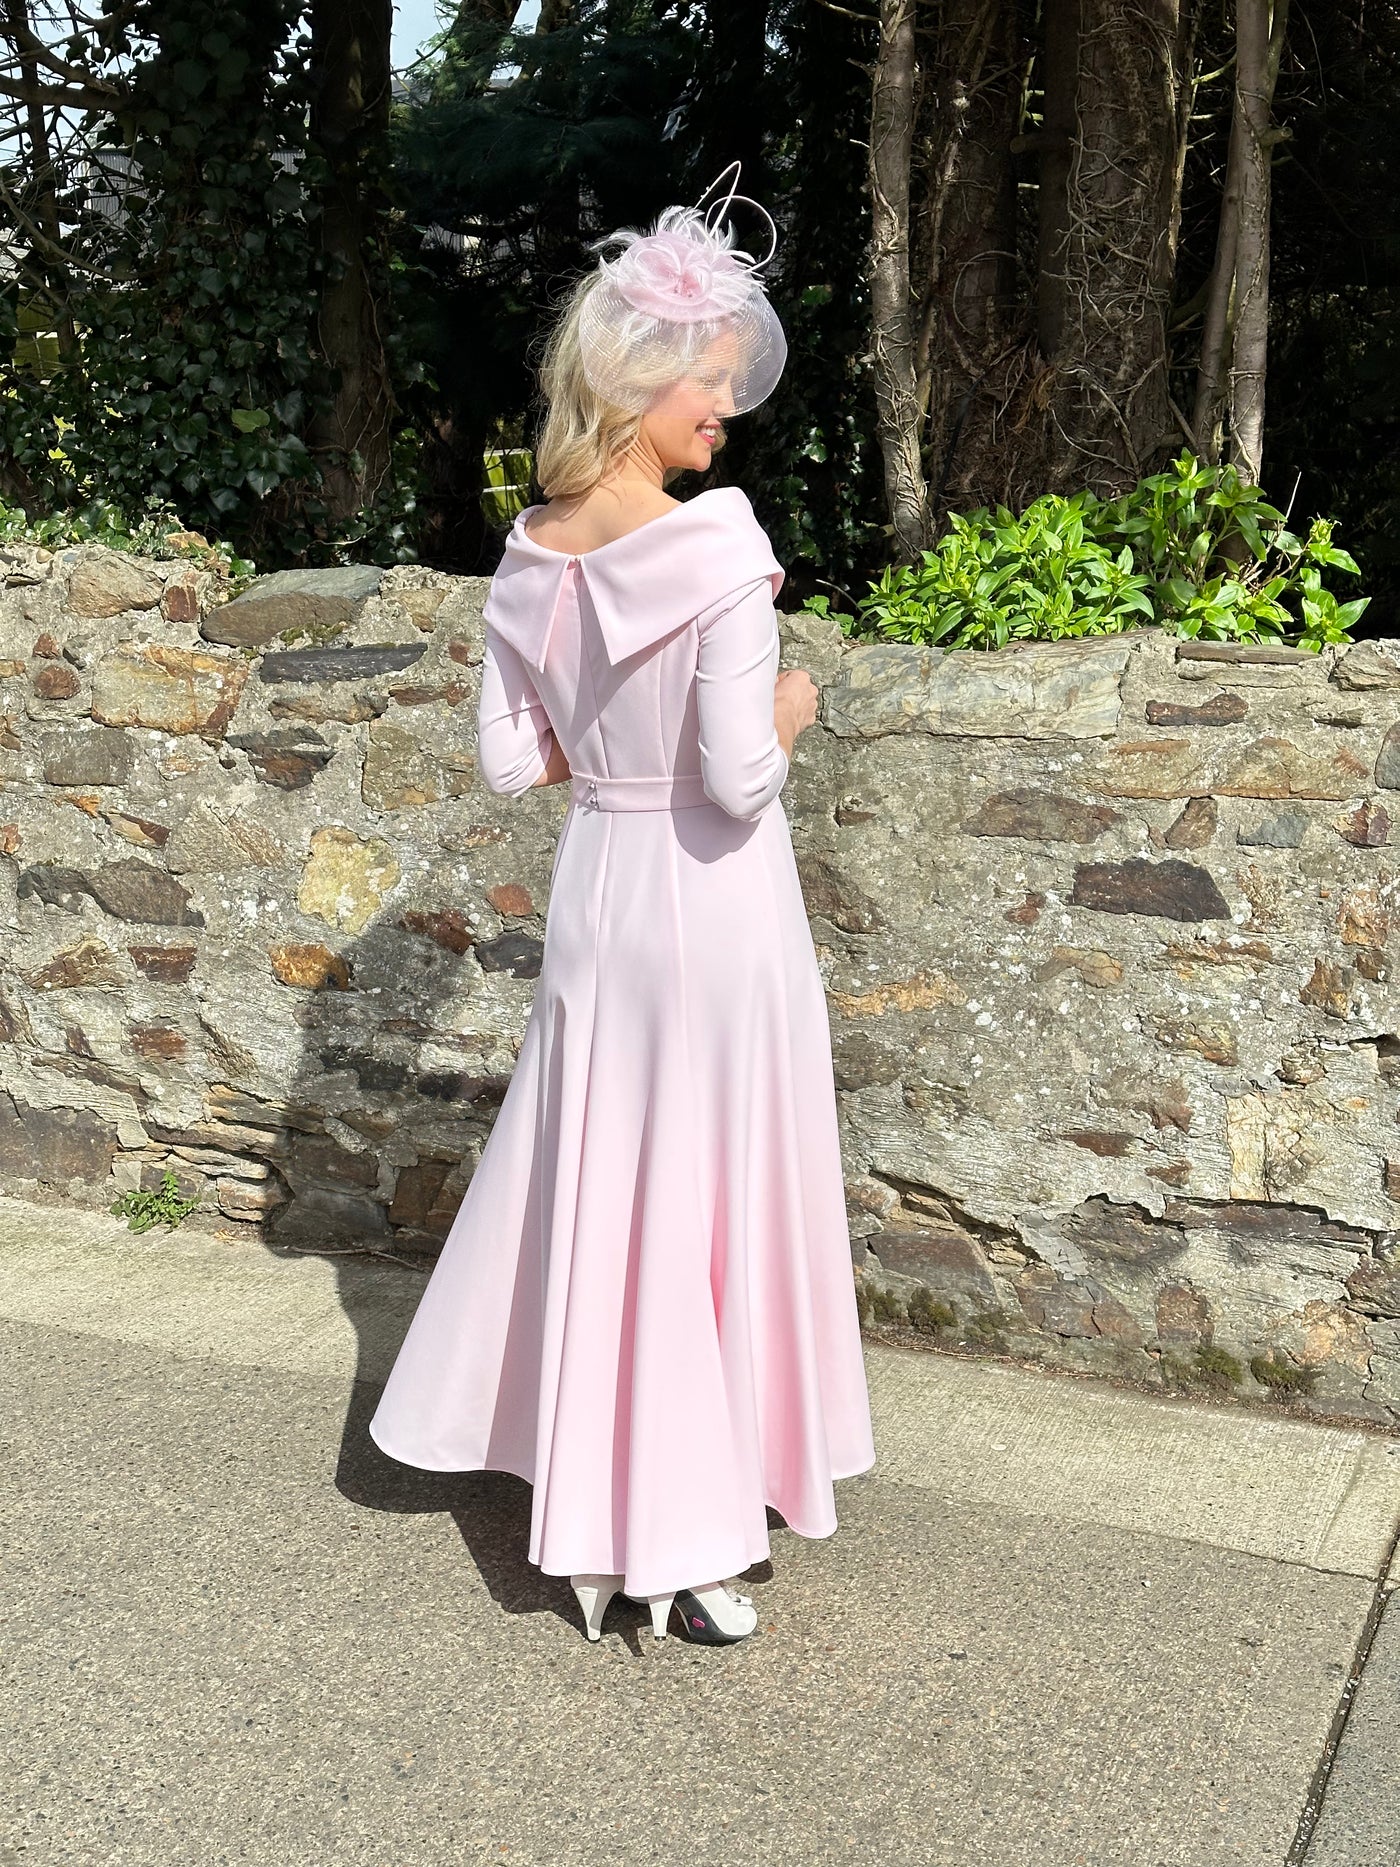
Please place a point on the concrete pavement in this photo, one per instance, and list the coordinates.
(1060, 1623)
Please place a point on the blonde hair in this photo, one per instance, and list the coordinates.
(583, 433)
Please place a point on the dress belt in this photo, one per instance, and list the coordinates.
(675, 792)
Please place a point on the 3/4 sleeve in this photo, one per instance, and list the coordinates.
(742, 762)
(513, 735)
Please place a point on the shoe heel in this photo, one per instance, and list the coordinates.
(660, 1606)
(594, 1593)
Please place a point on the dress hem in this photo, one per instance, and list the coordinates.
(770, 1503)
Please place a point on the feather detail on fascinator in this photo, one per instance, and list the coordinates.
(682, 304)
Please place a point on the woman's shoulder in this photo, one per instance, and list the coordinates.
(560, 525)
(644, 584)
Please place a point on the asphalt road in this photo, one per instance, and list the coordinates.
(1060, 1623)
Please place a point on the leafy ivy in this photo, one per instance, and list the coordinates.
(157, 533)
(197, 369)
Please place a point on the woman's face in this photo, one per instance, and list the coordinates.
(685, 424)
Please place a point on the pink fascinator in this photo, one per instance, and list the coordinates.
(682, 304)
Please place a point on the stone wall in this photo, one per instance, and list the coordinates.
(1107, 931)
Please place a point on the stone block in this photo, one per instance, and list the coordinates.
(86, 755)
(180, 599)
(312, 600)
(1366, 827)
(321, 1158)
(287, 757)
(91, 962)
(347, 878)
(945, 1259)
(1123, 1233)
(1039, 690)
(55, 884)
(210, 842)
(1246, 654)
(1388, 760)
(129, 890)
(225, 1103)
(1329, 989)
(401, 771)
(133, 890)
(1363, 915)
(1040, 816)
(1094, 966)
(1195, 826)
(448, 927)
(1368, 665)
(1053, 1304)
(511, 898)
(309, 965)
(1183, 1317)
(1168, 890)
(416, 1193)
(446, 693)
(325, 1215)
(249, 1201)
(1266, 766)
(141, 830)
(1219, 710)
(105, 583)
(1281, 829)
(168, 965)
(55, 681)
(319, 706)
(1200, 1037)
(422, 603)
(157, 1043)
(174, 690)
(859, 1061)
(54, 1145)
(833, 895)
(317, 665)
(919, 991)
(519, 954)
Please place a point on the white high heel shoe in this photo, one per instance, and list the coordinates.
(594, 1593)
(714, 1616)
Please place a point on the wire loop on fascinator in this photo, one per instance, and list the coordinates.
(682, 306)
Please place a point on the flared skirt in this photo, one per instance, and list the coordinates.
(645, 1303)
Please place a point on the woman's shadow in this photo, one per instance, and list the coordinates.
(388, 1111)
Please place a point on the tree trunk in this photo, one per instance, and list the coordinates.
(1256, 69)
(349, 122)
(1104, 311)
(965, 255)
(898, 415)
(1059, 68)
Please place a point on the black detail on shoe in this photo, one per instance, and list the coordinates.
(700, 1626)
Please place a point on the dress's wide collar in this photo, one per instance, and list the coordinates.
(644, 585)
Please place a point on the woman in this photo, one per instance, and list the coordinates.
(645, 1303)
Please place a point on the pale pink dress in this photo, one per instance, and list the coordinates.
(645, 1304)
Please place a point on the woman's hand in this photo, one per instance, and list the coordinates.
(795, 698)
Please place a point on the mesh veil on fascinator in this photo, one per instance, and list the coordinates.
(680, 303)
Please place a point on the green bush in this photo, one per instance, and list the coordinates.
(1194, 550)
